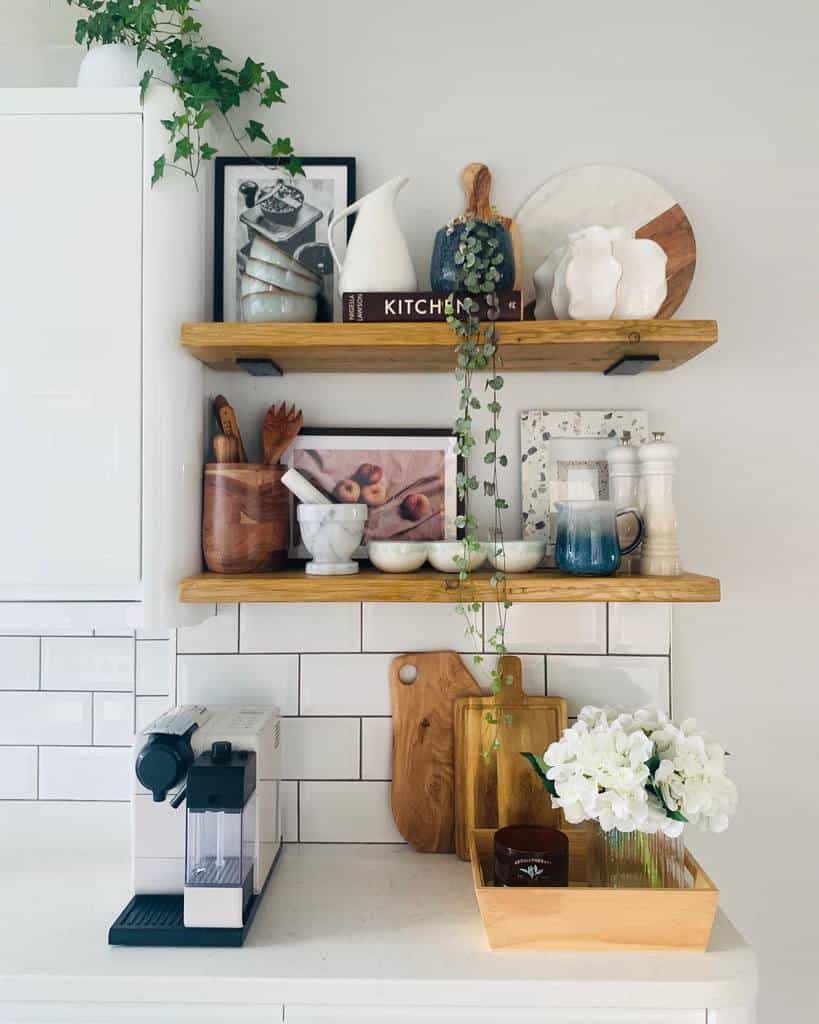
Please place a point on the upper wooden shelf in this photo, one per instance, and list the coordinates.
(427, 585)
(590, 346)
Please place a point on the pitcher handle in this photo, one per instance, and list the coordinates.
(641, 529)
(352, 208)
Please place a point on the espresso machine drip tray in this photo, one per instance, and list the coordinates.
(151, 920)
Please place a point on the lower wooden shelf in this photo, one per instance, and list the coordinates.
(427, 585)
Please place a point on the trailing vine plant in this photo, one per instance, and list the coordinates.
(202, 76)
(477, 260)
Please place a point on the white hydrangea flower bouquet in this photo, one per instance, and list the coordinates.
(637, 772)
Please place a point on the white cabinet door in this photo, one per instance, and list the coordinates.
(70, 351)
(460, 1015)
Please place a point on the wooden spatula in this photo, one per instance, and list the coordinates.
(477, 184)
(226, 449)
(228, 422)
(279, 429)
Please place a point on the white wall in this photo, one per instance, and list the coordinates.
(717, 101)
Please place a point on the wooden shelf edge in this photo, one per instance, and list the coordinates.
(528, 345)
(293, 585)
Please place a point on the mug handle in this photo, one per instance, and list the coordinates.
(641, 529)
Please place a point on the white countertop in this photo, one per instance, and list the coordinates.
(340, 924)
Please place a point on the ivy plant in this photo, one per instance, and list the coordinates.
(203, 78)
(478, 259)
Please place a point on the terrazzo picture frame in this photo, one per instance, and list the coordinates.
(563, 457)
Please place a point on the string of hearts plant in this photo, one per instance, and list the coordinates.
(477, 261)
(202, 77)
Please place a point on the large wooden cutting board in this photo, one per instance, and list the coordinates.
(423, 787)
(503, 789)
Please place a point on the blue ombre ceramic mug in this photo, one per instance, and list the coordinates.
(587, 543)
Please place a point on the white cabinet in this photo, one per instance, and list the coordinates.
(100, 410)
(460, 1015)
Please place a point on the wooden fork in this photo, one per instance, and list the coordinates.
(279, 429)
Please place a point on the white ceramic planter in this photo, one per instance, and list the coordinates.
(114, 65)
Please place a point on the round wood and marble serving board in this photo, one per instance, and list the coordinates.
(609, 196)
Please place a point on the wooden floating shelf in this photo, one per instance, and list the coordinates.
(589, 346)
(428, 585)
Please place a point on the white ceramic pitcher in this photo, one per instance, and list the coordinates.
(377, 258)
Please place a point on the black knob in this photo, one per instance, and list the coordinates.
(163, 762)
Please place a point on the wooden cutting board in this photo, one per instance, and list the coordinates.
(503, 789)
(423, 691)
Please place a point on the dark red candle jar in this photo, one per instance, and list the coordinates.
(531, 855)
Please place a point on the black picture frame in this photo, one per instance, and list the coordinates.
(224, 162)
(296, 552)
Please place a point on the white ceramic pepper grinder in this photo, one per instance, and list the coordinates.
(624, 479)
(661, 549)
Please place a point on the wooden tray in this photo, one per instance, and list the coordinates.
(584, 918)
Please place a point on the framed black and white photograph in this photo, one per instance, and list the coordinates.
(258, 198)
(407, 479)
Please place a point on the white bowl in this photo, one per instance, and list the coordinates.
(396, 555)
(516, 555)
(276, 306)
(260, 274)
(269, 252)
(442, 555)
(331, 533)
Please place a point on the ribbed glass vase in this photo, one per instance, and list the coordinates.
(634, 860)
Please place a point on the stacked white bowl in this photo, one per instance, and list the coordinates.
(275, 288)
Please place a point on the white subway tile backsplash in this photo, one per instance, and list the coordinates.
(217, 635)
(309, 627)
(376, 748)
(346, 812)
(19, 662)
(18, 773)
(612, 681)
(155, 668)
(552, 628)
(639, 628)
(148, 709)
(80, 663)
(37, 717)
(113, 719)
(85, 773)
(345, 684)
(401, 628)
(66, 618)
(269, 680)
(533, 672)
(289, 796)
(320, 748)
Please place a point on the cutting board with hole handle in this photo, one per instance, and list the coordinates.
(423, 692)
(503, 788)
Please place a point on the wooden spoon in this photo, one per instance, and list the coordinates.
(477, 184)
(226, 449)
(229, 424)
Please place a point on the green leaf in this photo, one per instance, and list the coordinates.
(255, 130)
(489, 458)
(202, 118)
(183, 149)
(207, 152)
(80, 30)
(540, 770)
(170, 124)
(503, 460)
(159, 170)
(143, 84)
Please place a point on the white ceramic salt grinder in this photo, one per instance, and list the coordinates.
(661, 550)
(624, 479)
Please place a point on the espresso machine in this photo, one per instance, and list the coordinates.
(206, 826)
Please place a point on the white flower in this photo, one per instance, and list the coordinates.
(638, 771)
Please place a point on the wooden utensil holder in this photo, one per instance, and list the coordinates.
(246, 517)
(583, 917)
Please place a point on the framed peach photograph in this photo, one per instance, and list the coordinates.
(406, 478)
